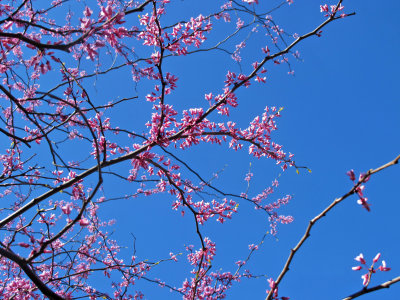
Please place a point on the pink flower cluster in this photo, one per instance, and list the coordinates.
(207, 285)
(333, 10)
(370, 270)
(274, 288)
(360, 188)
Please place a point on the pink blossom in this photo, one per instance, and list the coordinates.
(248, 177)
(250, 1)
(333, 8)
(361, 177)
(376, 258)
(87, 12)
(383, 267)
(173, 256)
(84, 222)
(25, 245)
(239, 23)
(324, 8)
(363, 201)
(360, 258)
(365, 278)
(253, 247)
(66, 209)
(371, 270)
(351, 175)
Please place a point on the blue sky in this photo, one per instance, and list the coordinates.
(341, 112)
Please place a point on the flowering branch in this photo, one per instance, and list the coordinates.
(23, 264)
(54, 238)
(364, 291)
(323, 214)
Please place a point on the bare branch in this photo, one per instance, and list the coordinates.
(384, 285)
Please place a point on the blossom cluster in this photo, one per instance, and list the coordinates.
(370, 270)
(360, 188)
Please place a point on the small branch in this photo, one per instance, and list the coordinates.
(15, 137)
(364, 291)
(138, 9)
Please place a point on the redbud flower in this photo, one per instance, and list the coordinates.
(324, 8)
(66, 209)
(371, 270)
(376, 258)
(351, 175)
(365, 278)
(84, 222)
(360, 258)
(383, 267)
(363, 201)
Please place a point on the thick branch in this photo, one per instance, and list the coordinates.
(31, 274)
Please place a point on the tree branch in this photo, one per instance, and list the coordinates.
(30, 273)
(323, 214)
(364, 291)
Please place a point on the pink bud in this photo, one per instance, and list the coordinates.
(383, 268)
(25, 245)
(324, 8)
(209, 96)
(360, 258)
(271, 283)
(84, 222)
(363, 201)
(362, 176)
(351, 175)
(66, 209)
(365, 278)
(358, 268)
(376, 258)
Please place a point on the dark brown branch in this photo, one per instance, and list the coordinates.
(138, 9)
(384, 285)
(68, 46)
(15, 137)
(30, 273)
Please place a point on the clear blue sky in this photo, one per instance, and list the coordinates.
(341, 112)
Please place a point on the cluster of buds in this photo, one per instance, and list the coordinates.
(371, 270)
(360, 188)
